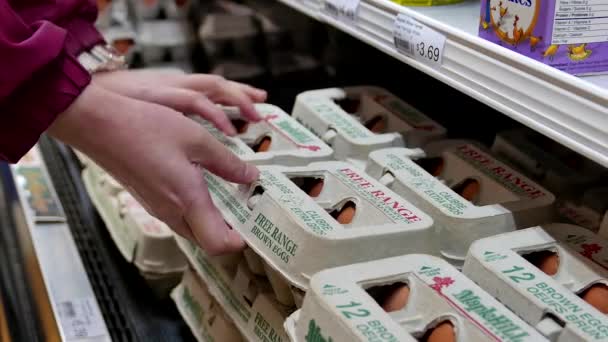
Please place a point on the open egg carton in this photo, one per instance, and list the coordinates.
(277, 139)
(589, 210)
(469, 193)
(554, 277)
(358, 120)
(245, 294)
(202, 313)
(141, 239)
(164, 40)
(558, 168)
(407, 298)
(326, 209)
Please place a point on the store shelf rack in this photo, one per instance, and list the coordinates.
(571, 110)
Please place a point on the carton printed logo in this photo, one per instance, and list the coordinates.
(298, 136)
(264, 331)
(489, 256)
(273, 238)
(192, 305)
(502, 174)
(338, 120)
(330, 290)
(314, 333)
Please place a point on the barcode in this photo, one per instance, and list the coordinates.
(404, 45)
(67, 310)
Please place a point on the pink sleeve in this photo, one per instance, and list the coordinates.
(39, 75)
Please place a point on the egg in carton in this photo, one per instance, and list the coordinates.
(553, 165)
(142, 239)
(413, 297)
(276, 139)
(554, 277)
(246, 297)
(468, 192)
(588, 211)
(326, 208)
(122, 38)
(204, 316)
(355, 121)
(162, 39)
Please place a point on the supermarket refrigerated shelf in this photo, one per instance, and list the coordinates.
(571, 110)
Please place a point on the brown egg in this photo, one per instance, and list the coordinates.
(468, 189)
(397, 297)
(123, 45)
(547, 261)
(434, 166)
(264, 145)
(346, 214)
(241, 126)
(316, 187)
(377, 124)
(444, 332)
(597, 296)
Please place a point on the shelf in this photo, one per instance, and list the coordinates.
(571, 110)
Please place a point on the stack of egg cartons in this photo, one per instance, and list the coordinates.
(165, 38)
(141, 239)
(115, 22)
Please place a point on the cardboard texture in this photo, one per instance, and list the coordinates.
(502, 200)
(355, 121)
(342, 305)
(504, 266)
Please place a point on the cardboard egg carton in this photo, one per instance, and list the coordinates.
(358, 120)
(123, 39)
(403, 298)
(293, 213)
(278, 139)
(468, 192)
(588, 211)
(246, 297)
(204, 316)
(553, 165)
(158, 39)
(141, 239)
(541, 273)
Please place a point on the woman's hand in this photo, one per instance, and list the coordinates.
(158, 154)
(191, 94)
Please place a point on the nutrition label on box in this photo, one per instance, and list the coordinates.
(580, 21)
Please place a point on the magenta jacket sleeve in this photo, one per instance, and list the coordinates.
(39, 74)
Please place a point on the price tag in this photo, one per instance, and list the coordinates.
(345, 10)
(81, 318)
(418, 41)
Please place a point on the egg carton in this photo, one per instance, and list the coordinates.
(141, 239)
(162, 39)
(553, 165)
(328, 209)
(468, 192)
(413, 297)
(358, 120)
(123, 39)
(246, 298)
(278, 138)
(206, 319)
(540, 272)
(152, 9)
(588, 211)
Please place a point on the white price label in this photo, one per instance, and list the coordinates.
(418, 40)
(342, 9)
(81, 318)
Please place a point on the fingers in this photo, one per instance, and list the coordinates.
(209, 228)
(227, 93)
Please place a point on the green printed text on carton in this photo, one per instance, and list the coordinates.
(391, 205)
(314, 333)
(275, 240)
(297, 134)
(498, 323)
(410, 114)
(264, 331)
(292, 201)
(375, 331)
(229, 296)
(220, 193)
(509, 178)
(192, 305)
(229, 143)
(339, 122)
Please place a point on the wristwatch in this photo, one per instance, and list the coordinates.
(102, 58)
